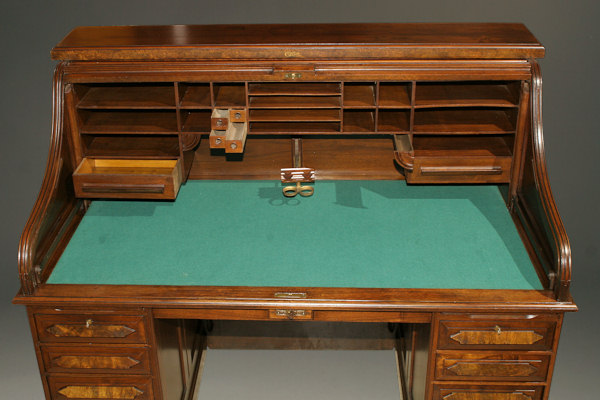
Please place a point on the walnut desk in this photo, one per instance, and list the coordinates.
(351, 186)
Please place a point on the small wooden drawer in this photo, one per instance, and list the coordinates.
(460, 170)
(490, 366)
(90, 328)
(96, 359)
(96, 387)
(127, 179)
(487, 392)
(497, 333)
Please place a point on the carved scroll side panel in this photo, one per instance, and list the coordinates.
(56, 206)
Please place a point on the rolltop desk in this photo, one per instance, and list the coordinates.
(237, 186)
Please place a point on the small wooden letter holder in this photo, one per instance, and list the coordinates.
(298, 174)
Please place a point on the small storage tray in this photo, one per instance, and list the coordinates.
(461, 159)
(127, 179)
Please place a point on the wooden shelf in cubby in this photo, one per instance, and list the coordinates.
(359, 95)
(359, 121)
(294, 89)
(195, 95)
(294, 102)
(229, 94)
(393, 121)
(464, 121)
(466, 94)
(288, 128)
(301, 115)
(394, 95)
(196, 121)
(128, 96)
(133, 122)
(493, 146)
(131, 146)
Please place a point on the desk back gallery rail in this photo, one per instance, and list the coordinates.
(139, 116)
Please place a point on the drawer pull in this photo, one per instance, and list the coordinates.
(462, 170)
(101, 392)
(89, 330)
(116, 188)
(95, 362)
(497, 336)
(290, 314)
(487, 396)
(290, 295)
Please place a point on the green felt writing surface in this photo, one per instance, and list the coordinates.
(377, 234)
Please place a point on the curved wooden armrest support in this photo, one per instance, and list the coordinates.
(55, 207)
(405, 160)
(551, 235)
(403, 153)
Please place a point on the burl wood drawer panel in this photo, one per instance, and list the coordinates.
(488, 392)
(96, 359)
(96, 387)
(90, 328)
(535, 333)
(490, 366)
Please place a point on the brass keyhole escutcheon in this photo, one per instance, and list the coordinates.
(498, 329)
(88, 323)
(291, 314)
(293, 75)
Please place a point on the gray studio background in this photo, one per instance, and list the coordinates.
(568, 29)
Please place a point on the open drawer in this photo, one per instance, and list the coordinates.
(431, 159)
(127, 179)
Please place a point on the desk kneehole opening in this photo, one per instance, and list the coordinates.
(379, 357)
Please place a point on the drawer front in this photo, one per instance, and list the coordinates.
(125, 187)
(129, 388)
(90, 328)
(488, 366)
(456, 392)
(533, 334)
(460, 170)
(96, 359)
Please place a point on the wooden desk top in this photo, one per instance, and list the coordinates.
(300, 41)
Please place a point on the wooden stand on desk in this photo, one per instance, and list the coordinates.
(450, 103)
